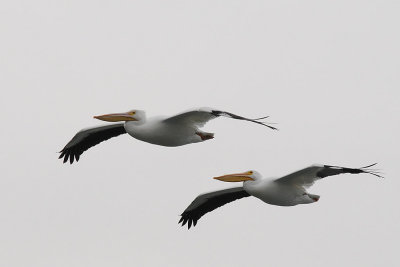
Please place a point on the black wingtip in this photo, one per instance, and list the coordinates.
(66, 157)
(69, 155)
(273, 128)
(266, 124)
(269, 126)
(62, 153)
(375, 172)
(369, 165)
(190, 221)
(218, 113)
(260, 118)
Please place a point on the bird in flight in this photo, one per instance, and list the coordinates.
(289, 190)
(178, 130)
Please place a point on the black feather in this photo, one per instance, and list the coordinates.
(208, 202)
(218, 113)
(85, 139)
(333, 170)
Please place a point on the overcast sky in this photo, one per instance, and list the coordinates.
(326, 71)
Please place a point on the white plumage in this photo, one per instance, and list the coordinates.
(289, 190)
(177, 130)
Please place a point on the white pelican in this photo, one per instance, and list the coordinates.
(289, 190)
(172, 131)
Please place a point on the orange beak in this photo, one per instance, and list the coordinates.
(116, 117)
(236, 177)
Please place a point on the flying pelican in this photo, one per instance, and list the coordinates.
(289, 190)
(177, 130)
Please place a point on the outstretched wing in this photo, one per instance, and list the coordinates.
(306, 177)
(87, 138)
(201, 116)
(208, 202)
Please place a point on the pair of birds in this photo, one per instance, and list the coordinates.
(183, 129)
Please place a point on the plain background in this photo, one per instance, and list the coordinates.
(326, 71)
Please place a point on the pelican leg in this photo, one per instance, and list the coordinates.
(205, 136)
(314, 197)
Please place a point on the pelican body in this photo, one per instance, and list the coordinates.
(289, 190)
(178, 130)
(154, 131)
(275, 193)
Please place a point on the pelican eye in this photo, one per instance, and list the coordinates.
(132, 113)
(250, 172)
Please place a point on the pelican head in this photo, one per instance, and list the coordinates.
(240, 177)
(132, 115)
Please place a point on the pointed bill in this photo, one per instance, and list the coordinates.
(114, 117)
(236, 177)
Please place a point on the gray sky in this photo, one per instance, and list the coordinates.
(327, 72)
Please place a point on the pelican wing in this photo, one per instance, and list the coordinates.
(201, 116)
(87, 138)
(307, 176)
(208, 202)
